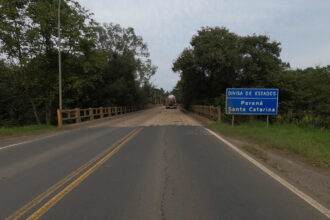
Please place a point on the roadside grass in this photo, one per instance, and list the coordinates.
(25, 130)
(312, 143)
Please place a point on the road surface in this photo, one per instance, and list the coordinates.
(155, 164)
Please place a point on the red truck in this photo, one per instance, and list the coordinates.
(170, 102)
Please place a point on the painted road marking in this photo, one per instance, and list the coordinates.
(286, 184)
(27, 207)
(38, 139)
(61, 132)
(50, 203)
(29, 141)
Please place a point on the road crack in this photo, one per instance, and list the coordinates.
(166, 182)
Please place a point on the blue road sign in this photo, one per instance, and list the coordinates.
(251, 101)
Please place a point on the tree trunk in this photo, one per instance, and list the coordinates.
(48, 111)
(34, 110)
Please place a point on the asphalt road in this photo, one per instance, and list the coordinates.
(157, 164)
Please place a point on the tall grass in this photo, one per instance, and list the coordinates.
(309, 142)
(25, 130)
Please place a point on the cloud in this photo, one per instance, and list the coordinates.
(167, 26)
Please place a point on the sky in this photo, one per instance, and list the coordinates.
(167, 26)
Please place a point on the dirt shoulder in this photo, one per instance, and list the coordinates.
(315, 181)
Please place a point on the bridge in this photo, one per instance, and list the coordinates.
(151, 164)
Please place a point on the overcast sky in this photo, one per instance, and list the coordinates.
(302, 26)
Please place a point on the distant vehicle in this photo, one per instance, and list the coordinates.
(170, 102)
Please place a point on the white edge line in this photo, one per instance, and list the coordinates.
(52, 135)
(37, 139)
(276, 177)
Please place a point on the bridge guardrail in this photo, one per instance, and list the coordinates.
(213, 112)
(78, 115)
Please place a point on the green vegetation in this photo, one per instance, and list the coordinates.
(312, 143)
(25, 130)
(277, 166)
(259, 153)
(102, 65)
(218, 59)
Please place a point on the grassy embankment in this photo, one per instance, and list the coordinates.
(25, 130)
(312, 143)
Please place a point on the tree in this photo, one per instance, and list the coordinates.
(15, 46)
(260, 62)
(193, 83)
(43, 37)
(28, 40)
(113, 40)
(102, 65)
(216, 53)
(219, 59)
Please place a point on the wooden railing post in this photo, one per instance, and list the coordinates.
(85, 113)
(59, 118)
(219, 114)
(109, 111)
(101, 112)
(116, 111)
(91, 114)
(77, 115)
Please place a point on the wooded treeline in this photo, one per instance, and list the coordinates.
(102, 65)
(218, 59)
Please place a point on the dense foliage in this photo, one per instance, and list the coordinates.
(102, 65)
(218, 59)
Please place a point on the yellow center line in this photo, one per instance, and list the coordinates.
(50, 203)
(27, 207)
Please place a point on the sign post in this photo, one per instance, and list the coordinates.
(245, 101)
